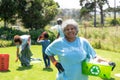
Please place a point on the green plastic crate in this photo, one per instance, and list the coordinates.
(93, 69)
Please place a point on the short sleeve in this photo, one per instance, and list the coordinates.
(24, 40)
(89, 49)
(40, 41)
(53, 48)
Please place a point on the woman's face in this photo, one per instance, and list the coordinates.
(70, 32)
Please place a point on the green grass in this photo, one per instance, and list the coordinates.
(106, 38)
(36, 71)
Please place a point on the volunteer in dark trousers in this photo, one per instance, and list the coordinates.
(23, 52)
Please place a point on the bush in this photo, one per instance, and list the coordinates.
(5, 43)
(8, 33)
(106, 38)
(111, 21)
(96, 44)
(114, 22)
(34, 35)
(52, 36)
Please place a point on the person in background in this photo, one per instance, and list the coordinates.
(58, 27)
(44, 41)
(23, 49)
(71, 51)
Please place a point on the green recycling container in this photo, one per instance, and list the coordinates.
(94, 69)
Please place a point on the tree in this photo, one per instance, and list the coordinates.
(37, 13)
(86, 9)
(8, 9)
(33, 14)
(100, 4)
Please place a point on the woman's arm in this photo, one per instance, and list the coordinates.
(57, 64)
(17, 53)
(52, 58)
(29, 40)
(100, 59)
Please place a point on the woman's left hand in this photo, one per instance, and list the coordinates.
(59, 67)
(16, 60)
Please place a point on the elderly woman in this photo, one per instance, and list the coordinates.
(71, 51)
(23, 49)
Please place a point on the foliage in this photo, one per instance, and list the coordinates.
(34, 35)
(91, 6)
(106, 38)
(5, 43)
(52, 36)
(34, 14)
(114, 22)
(8, 9)
(37, 13)
(86, 9)
(112, 9)
(96, 44)
(84, 13)
(52, 33)
(91, 3)
(7, 34)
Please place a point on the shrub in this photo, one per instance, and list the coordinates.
(35, 33)
(114, 22)
(5, 43)
(108, 36)
(96, 44)
(8, 33)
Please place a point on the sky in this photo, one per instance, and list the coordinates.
(75, 3)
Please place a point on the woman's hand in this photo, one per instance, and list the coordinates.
(59, 67)
(17, 54)
(16, 59)
(100, 59)
(112, 64)
(57, 64)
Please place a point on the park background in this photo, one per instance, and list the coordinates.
(103, 35)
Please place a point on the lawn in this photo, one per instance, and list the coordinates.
(36, 71)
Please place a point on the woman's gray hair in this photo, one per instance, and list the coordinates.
(70, 22)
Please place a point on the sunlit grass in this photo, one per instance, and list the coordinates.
(36, 71)
(106, 38)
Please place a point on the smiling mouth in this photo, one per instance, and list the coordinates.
(71, 34)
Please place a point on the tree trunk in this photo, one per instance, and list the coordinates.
(115, 12)
(95, 14)
(5, 24)
(102, 15)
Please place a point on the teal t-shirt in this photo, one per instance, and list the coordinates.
(71, 55)
(44, 44)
